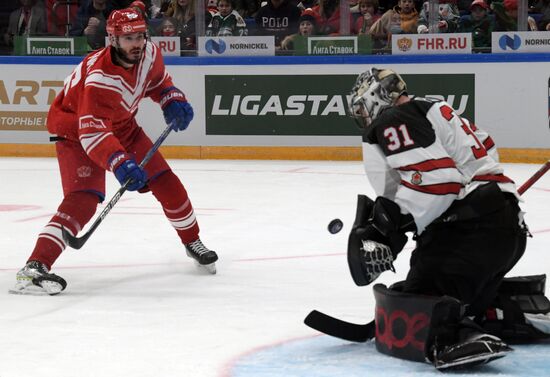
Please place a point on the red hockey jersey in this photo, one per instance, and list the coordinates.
(99, 101)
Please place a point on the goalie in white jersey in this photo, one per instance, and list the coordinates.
(437, 175)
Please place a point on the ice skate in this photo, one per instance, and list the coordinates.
(204, 258)
(477, 349)
(35, 279)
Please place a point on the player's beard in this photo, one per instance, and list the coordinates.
(132, 57)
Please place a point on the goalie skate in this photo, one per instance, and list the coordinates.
(478, 349)
(203, 257)
(35, 279)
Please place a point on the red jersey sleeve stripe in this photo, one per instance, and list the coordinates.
(429, 165)
(492, 178)
(436, 189)
(488, 143)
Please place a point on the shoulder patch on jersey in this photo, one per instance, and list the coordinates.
(416, 178)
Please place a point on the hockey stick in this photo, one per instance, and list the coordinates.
(535, 177)
(361, 333)
(340, 329)
(78, 242)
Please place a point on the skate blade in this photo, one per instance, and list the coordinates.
(209, 268)
(472, 361)
(31, 290)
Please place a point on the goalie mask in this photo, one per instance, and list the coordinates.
(374, 91)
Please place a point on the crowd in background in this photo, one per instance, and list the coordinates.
(284, 19)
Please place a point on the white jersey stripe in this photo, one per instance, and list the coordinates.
(184, 223)
(90, 141)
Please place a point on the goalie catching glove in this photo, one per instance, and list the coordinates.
(377, 237)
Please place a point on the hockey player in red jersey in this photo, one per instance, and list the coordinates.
(437, 175)
(93, 118)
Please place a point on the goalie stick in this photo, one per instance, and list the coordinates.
(78, 242)
(535, 177)
(361, 333)
(340, 329)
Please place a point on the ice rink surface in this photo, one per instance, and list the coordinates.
(136, 306)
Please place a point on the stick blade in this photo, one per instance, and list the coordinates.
(338, 328)
(72, 241)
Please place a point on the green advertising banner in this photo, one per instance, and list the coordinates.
(326, 45)
(309, 104)
(50, 46)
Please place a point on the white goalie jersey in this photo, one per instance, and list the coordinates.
(423, 156)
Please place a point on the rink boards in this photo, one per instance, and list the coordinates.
(295, 107)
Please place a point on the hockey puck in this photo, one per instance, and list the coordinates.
(335, 226)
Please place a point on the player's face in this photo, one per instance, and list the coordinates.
(168, 29)
(366, 8)
(306, 28)
(477, 12)
(407, 6)
(131, 47)
(224, 7)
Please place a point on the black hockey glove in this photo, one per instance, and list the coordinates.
(376, 240)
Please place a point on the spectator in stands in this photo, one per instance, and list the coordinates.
(464, 6)
(449, 17)
(402, 19)
(479, 23)
(164, 5)
(506, 15)
(543, 7)
(306, 4)
(306, 27)
(168, 27)
(247, 8)
(184, 12)
(91, 22)
(212, 6)
(227, 21)
(278, 18)
(29, 19)
(368, 15)
(142, 8)
(60, 15)
(328, 17)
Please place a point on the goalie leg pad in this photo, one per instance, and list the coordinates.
(521, 312)
(407, 324)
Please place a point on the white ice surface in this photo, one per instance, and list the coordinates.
(135, 305)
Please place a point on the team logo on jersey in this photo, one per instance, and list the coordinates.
(404, 44)
(84, 171)
(416, 178)
(89, 121)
